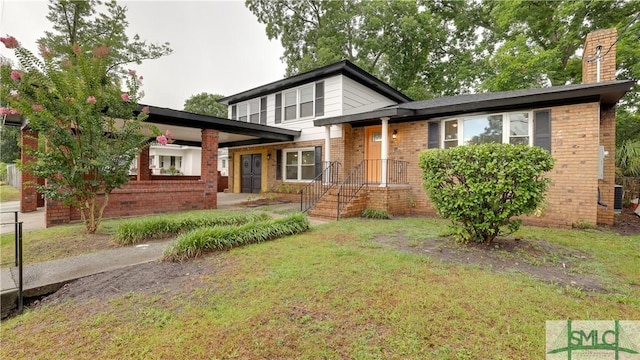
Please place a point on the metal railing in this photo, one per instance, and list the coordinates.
(312, 192)
(18, 256)
(370, 172)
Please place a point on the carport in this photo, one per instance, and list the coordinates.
(147, 193)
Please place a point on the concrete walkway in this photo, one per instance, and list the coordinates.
(47, 277)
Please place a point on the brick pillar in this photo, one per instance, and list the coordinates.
(606, 185)
(28, 193)
(209, 167)
(144, 173)
(606, 39)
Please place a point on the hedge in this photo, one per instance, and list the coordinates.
(196, 242)
(136, 231)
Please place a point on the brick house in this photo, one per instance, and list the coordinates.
(360, 139)
(339, 140)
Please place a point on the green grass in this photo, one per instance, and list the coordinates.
(8, 193)
(333, 293)
(71, 240)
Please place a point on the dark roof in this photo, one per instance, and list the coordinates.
(236, 133)
(186, 127)
(608, 93)
(344, 67)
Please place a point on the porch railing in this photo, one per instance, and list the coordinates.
(370, 172)
(312, 192)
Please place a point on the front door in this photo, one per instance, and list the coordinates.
(251, 173)
(373, 149)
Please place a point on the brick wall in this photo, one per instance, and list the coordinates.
(139, 198)
(606, 185)
(572, 195)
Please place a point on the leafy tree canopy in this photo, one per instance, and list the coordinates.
(78, 97)
(207, 104)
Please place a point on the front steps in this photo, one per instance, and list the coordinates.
(327, 206)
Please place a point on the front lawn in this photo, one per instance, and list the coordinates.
(360, 289)
(8, 193)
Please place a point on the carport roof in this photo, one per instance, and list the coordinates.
(186, 128)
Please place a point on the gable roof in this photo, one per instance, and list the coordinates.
(608, 93)
(344, 67)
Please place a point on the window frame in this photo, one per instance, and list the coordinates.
(299, 165)
(506, 127)
(298, 104)
(249, 110)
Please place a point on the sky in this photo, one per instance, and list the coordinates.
(218, 46)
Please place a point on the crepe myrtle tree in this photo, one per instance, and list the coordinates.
(85, 115)
(480, 188)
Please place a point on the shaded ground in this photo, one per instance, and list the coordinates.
(538, 258)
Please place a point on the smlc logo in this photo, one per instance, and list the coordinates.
(595, 339)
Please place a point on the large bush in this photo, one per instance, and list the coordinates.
(480, 188)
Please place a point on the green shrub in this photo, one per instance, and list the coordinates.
(481, 187)
(375, 214)
(194, 243)
(157, 227)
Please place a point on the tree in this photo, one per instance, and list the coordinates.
(9, 148)
(80, 100)
(207, 104)
(481, 188)
(77, 23)
(418, 47)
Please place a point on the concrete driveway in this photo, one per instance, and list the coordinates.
(30, 221)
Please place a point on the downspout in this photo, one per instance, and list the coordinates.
(598, 59)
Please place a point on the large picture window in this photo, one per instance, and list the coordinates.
(513, 128)
(299, 164)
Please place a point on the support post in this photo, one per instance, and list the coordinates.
(28, 192)
(144, 173)
(384, 151)
(209, 167)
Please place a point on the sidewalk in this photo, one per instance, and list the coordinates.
(47, 277)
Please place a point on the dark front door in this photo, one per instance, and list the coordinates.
(251, 173)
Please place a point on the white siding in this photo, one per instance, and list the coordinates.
(359, 98)
(342, 96)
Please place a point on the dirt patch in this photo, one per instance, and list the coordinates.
(627, 223)
(538, 258)
(149, 278)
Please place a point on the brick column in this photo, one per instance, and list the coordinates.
(28, 193)
(144, 173)
(209, 167)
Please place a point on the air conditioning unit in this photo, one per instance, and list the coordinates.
(617, 198)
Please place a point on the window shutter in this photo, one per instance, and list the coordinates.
(318, 161)
(278, 164)
(278, 108)
(320, 98)
(433, 137)
(234, 112)
(263, 110)
(542, 129)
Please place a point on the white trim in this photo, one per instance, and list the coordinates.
(299, 165)
(506, 126)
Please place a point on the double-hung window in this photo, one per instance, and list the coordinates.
(254, 111)
(299, 164)
(302, 102)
